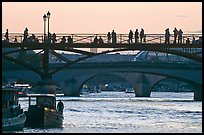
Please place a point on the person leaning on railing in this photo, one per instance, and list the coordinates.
(70, 40)
(100, 40)
(109, 37)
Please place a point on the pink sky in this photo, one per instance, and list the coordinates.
(101, 17)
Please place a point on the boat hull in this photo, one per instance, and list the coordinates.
(43, 118)
(14, 123)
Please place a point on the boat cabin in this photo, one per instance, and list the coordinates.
(42, 111)
(9, 97)
(10, 105)
(42, 100)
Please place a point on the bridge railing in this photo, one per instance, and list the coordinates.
(89, 38)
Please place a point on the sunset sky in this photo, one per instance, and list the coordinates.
(102, 17)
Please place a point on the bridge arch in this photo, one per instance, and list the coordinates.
(118, 79)
(190, 74)
(179, 83)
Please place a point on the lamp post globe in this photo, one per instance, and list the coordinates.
(44, 17)
(48, 14)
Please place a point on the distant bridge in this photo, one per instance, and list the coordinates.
(81, 72)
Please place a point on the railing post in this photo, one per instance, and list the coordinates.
(73, 37)
(21, 39)
(90, 39)
(145, 38)
(182, 40)
(120, 38)
(160, 39)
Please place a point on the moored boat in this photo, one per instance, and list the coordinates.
(129, 90)
(42, 112)
(13, 117)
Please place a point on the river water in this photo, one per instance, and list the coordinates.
(120, 112)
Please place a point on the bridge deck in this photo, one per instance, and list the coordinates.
(95, 45)
(89, 38)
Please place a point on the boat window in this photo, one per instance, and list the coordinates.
(46, 101)
(32, 100)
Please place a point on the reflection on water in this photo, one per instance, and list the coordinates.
(116, 112)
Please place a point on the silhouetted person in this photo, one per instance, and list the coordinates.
(144, 38)
(53, 38)
(96, 39)
(63, 40)
(180, 34)
(36, 40)
(29, 40)
(200, 41)
(33, 39)
(136, 35)
(25, 35)
(141, 35)
(175, 35)
(15, 40)
(60, 106)
(130, 36)
(193, 41)
(70, 40)
(188, 41)
(167, 36)
(113, 36)
(100, 40)
(109, 37)
(7, 35)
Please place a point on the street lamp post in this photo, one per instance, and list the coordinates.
(46, 49)
(46, 84)
(44, 19)
(48, 26)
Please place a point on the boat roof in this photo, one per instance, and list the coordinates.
(41, 95)
(9, 89)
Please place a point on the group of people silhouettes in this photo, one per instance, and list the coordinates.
(28, 39)
(63, 40)
(100, 40)
(177, 33)
(140, 37)
(113, 36)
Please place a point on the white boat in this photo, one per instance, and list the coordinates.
(84, 91)
(13, 117)
(129, 90)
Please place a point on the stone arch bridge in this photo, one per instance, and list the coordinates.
(142, 76)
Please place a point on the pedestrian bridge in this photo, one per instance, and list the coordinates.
(89, 38)
(152, 42)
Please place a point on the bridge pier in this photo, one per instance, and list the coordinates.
(198, 93)
(70, 88)
(141, 87)
(45, 86)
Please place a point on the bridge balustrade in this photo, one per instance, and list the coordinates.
(89, 38)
